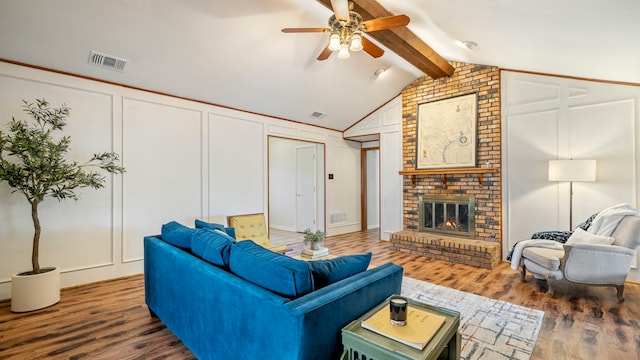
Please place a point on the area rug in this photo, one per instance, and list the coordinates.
(490, 329)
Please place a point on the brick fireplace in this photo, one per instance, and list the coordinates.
(482, 183)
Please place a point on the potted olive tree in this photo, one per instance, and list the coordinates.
(32, 162)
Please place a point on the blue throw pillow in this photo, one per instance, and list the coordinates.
(213, 246)
(327, 272)
(213, 226)
(275, 272)
(177, 234)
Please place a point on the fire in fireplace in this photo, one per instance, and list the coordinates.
(452, 215)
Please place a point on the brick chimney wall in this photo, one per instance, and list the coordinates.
(468, 78)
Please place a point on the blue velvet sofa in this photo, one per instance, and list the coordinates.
(219, 314)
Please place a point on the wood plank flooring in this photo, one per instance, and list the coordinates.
(109, 320)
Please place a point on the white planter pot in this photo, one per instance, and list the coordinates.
(33, 292)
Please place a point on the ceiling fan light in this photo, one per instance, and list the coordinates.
(356, 42)
(344, 51)
(334, 42)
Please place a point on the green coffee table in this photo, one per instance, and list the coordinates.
(363, 344)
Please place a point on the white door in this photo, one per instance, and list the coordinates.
(305, 188)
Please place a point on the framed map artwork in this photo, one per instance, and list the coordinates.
(446, 133)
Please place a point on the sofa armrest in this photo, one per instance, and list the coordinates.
(597, 264)
(323, 313)
(390, 274)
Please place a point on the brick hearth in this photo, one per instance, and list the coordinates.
(484, 254)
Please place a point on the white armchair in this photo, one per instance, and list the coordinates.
(587, 263)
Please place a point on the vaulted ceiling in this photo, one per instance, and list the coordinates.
(233, 53)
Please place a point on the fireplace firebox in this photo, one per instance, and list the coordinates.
(451, 215)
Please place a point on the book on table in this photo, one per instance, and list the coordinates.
(312, 254)
(421, 326)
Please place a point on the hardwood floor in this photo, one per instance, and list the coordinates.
(109, 320)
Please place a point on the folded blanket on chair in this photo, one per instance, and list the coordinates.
(606, 221)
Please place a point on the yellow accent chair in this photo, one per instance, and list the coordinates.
(254, 227)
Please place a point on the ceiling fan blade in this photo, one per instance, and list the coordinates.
(371, 48)
(324, 55)
(385, 22)
(303, 30)
(340, 9)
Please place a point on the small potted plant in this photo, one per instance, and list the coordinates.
(314, 239)
(32, 163)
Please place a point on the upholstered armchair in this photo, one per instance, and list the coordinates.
(585, 258)
(254, 227)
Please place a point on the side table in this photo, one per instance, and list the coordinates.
(363, 344)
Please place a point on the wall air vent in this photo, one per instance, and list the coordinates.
(338, 218)
(108, 61)
(318, 115)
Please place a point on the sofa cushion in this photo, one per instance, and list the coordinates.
(326, 272)
(278, 273)
(580, 236)
(201, 224)
(213, 246)
(177, 234)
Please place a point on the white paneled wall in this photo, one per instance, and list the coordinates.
(343, 211)
(164, 178)
(387, 122)
(390, 182)
(184, 160)
(237, 172)
(547, 118)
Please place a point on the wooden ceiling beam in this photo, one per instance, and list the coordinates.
(402, 41)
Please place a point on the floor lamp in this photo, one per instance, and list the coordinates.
(572, 170)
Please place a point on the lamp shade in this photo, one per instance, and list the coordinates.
(344, 51)
(334, 42)
(572, 170)
(356, 42)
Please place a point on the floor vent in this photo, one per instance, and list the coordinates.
(108, 61)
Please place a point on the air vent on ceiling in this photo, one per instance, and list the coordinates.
(108, 61)
(318, 114)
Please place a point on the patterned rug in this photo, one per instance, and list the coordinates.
(490, 329)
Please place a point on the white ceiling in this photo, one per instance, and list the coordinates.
(232, 53)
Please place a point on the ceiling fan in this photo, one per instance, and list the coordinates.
(346, 28)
